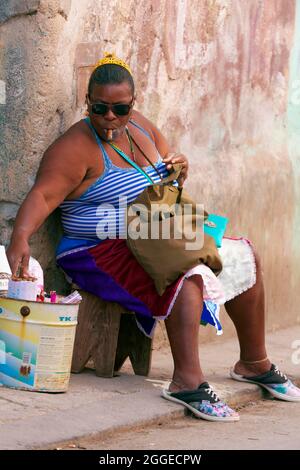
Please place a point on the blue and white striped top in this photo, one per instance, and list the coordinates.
(99, 213)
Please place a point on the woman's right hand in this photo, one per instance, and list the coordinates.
(18, 254)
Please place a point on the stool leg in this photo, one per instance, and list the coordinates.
(141, 352)
(133, 343)
(84, 337)
(104, 350)
(108, 337)
(124, 340)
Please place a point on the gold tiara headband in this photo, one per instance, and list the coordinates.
(112, 59)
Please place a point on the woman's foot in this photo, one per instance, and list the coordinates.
(273, 380)
(182, 382)
(247, 369)
(203, 402)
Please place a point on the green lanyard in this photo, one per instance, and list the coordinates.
(128, 160)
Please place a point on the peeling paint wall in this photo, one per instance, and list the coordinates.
(214, 75)
(293, 124)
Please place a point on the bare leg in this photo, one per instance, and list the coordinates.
(182, 328)
(247, 311)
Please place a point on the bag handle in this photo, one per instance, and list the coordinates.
(131, 139)
(128, 160)
(177, 167)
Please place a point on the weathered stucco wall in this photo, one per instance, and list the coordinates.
(214, 75)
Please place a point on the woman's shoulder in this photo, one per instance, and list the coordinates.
(75, 140)
(74, 145)
(156, 135)
(143, 122)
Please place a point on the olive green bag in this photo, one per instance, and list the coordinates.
(162, 206)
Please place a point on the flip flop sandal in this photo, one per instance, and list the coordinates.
(203, 403)
(277, 383)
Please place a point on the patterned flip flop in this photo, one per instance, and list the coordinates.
(203, 403)
(277, 383)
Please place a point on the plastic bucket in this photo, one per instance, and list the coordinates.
(36, 344)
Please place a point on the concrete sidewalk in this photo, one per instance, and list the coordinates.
(95, 405)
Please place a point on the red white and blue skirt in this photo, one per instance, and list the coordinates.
(110, 271)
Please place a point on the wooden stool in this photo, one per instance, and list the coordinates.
(108, 335)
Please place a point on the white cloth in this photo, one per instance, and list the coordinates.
(239, 267)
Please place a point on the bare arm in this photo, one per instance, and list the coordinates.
(61, 170)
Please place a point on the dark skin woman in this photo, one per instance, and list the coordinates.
(72, 164)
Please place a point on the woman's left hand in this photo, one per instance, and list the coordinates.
(172, 158)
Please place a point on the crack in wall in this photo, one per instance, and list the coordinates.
(63, 14)
(15, 10)
(17, 15)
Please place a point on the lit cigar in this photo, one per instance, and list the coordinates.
(109, 134)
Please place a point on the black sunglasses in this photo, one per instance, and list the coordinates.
(118, 109)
